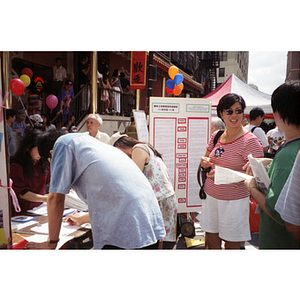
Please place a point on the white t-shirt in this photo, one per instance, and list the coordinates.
(260, 134)
(59, 73)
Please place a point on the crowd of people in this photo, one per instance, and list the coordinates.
(126, 185)
(113, 91)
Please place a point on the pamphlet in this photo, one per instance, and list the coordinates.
(259, 172)
(227, 176)
(261, 177)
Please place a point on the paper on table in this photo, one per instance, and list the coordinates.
(39, 210)
(226, 176)
(65, 228)
(40, 238)
(23, 225)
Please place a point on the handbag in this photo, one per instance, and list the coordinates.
(201, 178)
(202, 173)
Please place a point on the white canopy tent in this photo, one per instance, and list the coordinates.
(252, 97)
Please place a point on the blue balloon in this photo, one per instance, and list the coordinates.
(178, 79)
(170, 84)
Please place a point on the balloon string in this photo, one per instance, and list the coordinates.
(13, 195)
(25, 111)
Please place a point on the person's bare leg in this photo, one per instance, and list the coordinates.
(213, 241)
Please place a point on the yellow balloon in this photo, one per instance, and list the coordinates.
(25, 79)
(173, 71)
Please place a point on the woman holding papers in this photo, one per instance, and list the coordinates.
(225, 211)
(273, 230)
(29, 175)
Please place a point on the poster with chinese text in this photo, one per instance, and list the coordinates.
(179, 129)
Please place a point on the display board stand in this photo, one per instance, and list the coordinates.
(5, 228)
(179, 129)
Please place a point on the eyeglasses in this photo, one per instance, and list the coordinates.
(203, 177)
(237, 111)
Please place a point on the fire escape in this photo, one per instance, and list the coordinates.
(214, 64)
(209, 61)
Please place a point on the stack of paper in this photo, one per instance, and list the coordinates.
(73, 201)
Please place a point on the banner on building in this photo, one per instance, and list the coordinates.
(180, 129)
(138, 69)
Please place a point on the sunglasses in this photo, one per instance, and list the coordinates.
(230, 111)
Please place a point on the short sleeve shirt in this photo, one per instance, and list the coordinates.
(123, 209)
(260, 134)
(288, 203)
(22, 184)
(233, 155)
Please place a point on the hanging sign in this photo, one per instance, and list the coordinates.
(138, 69)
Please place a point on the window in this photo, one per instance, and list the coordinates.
(223, 56)
(222, 72)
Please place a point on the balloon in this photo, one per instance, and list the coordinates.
(169, 91)
(170, 84)
(181, 86)
(177, 90)
(17, 86)
(51, 101)
(25, 79)
(28, 72)
(173, 71)
(178, 79)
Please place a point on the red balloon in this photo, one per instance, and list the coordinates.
(17, 86)
(28, 72)
(51, 101)
(169, 91)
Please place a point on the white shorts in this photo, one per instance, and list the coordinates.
(229, 218)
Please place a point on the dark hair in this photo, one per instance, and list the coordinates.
(129, 142)
(115, 73)
(228, 100)
(10, 113)
(57, 58)
(48, 121)
(23, 157)
(256, 112)
(46, 142)
(286, 101)
(20, 112)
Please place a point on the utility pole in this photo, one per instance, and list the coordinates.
(151, 78)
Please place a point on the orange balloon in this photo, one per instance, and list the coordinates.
(181, 86)
(173, 71)
(177, 90)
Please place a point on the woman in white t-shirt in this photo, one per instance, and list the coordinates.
(225, 211)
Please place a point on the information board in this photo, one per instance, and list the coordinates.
(179, 129)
